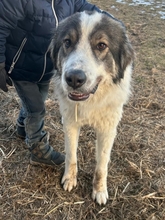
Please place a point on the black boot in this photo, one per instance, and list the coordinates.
(43, 154)
(20, 131)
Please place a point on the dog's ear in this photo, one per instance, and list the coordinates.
(120, 46)
(54, 49)
(125, 57)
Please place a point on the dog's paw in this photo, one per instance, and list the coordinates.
(69, 182)
(100, 196)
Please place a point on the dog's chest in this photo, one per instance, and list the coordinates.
(88, 115)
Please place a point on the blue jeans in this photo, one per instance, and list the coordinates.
(32, 113)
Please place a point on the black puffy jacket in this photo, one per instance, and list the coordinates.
(26, 28)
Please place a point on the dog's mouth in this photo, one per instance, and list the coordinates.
(78, 96)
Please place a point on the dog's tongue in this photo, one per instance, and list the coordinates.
(78, 96)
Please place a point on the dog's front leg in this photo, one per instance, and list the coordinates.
(69, 179)
(105, 141)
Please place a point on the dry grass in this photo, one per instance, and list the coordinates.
(136, 180)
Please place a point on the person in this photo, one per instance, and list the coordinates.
(26, 28)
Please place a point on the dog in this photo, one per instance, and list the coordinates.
(93, 61)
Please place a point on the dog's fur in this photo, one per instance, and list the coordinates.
(93, 60)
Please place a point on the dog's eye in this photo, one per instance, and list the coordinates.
(101, 46)
(67, 43)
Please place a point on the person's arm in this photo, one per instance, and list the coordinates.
(10, 12)
(82, 5)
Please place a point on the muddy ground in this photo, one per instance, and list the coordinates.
(136, 179)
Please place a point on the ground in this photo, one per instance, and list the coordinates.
(136, 178)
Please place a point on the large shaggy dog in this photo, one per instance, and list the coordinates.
(93, 60)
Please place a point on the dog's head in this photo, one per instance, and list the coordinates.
(87, 49)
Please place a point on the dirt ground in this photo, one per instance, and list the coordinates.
(136, 179)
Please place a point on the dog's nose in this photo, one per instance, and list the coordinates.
(75, 78)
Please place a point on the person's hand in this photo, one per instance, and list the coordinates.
(4, 78)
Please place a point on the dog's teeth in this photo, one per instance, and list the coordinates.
(77, 94)
(94, 89)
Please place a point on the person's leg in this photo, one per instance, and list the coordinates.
(40, 91)
(20, 124)
(32, 115)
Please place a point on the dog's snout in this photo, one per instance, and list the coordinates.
(75, 78)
